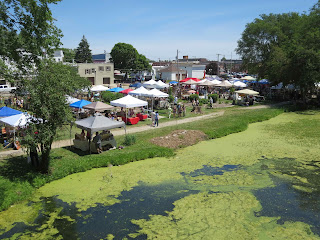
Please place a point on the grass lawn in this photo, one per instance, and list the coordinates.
(18, 180)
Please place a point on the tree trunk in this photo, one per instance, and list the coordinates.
(44, 164)
(45, 157)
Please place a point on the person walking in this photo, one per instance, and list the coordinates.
(156, 119)
(153, 117)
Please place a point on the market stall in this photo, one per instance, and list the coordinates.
(129, 102)
(95, 124)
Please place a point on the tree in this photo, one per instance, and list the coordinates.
(47, 101)
(27, 30)
(142, 63)
(212, 68)
(126, 57)
(83, 52)
(69, 54)
(284, 48)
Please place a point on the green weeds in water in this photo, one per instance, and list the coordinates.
(18, 180)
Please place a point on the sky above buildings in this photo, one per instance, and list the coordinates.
(157, 29)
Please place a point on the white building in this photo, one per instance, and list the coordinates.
(58, 56)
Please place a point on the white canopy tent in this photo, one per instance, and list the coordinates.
(71, 100)
(247, 92)
(225, 84)
(141, 91)
(162, 84)
(151, 84)
(129, 102)
(205, 82)
(19, 120)
(98, 123)
(157, 93)
(15, 121)
(248, 78)
(98, 88)
(239, 84)
(216, 82)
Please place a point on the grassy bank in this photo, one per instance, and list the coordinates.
(18, 180)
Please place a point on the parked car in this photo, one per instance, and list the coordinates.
(6, 88)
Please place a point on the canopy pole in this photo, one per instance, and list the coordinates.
(126, 115)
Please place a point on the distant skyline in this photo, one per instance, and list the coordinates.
(158, 28)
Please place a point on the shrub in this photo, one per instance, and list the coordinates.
(170, 98)
(129, 140)
(203, 101)
(214, 97)
(110, 96)
(193, 97)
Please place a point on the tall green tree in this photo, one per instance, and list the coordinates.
(83, 52)
(142, 63)
(212, 68)
(284, 48)
(27, 31)
(47, 92)
(126, 57)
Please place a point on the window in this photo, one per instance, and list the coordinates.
(106, 80)
(108, 68)
(101, 68)
(87, 71)
(93, 70)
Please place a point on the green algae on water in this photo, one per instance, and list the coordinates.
(225, 206)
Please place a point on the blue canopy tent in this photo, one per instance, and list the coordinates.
(264, 81)
(80, 104)
(117, 89)
(135, 85)
(7, 112)
(173, 82)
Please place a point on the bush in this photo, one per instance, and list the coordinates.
(110, 96)
(214, 97)
(204, 101)
(193, 97)
(129, 140)
(170, 99)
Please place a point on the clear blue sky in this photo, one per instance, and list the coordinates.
(157, 29)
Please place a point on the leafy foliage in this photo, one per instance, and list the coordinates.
(193, 97)
(126, 57)
(26, 30)
(284, 48)
(212, 68)
(110, 96)
(47, 101)
(129, 140)
(69, 54)
(83, 52)
(214, 97)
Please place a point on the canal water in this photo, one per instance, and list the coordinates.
(258, 184)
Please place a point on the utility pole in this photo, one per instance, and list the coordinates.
(178, 73)
(231, 63)
(218, 72)
(178, 65)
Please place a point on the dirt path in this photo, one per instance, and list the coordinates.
(118, 132)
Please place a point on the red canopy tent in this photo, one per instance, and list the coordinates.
(187, 79)
(126, 91)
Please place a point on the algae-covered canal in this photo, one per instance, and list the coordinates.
(262, 183)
